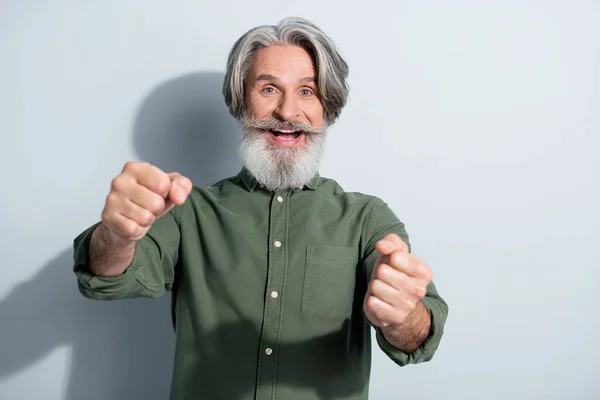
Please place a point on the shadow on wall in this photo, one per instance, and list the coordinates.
(123, 349)
(184, 126)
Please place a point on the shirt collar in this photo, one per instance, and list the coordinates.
(251, 183)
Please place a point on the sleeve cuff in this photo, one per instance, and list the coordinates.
(100, 287)
(426, 351)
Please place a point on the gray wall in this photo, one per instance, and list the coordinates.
(479, 123)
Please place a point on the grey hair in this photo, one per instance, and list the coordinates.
(331, 68)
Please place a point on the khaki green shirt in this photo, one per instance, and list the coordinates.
(267, 290)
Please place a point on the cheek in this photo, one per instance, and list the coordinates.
(315, 114)
(259, 107)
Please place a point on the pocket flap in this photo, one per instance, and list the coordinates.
(332, 256)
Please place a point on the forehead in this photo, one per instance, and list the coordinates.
(283, 61)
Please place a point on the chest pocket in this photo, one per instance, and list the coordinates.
(329, 281)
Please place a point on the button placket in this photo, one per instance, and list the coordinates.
(276, 271)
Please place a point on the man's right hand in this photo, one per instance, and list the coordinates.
(138, 196)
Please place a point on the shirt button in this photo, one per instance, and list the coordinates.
(268, 351)
(274, 294)
(277, 243)
(280, 199)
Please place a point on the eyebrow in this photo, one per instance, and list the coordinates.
(271, 78)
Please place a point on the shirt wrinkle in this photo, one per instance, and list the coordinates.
(267, 291)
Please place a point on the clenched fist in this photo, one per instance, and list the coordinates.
(138, 196)
(398, 283)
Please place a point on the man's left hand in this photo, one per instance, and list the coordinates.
(398, 283)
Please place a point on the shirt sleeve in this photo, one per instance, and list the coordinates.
(150, 274)
(381, 222)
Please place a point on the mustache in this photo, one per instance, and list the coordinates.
(274, 124)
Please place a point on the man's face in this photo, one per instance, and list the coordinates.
(283, 124)
(281, 84)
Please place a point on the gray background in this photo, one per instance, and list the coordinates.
(478, 122)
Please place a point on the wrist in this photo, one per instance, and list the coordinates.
(412, 332)
(111, 239)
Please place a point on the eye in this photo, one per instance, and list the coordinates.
(268, 90)
(306, 92)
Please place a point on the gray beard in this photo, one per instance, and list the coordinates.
(280, 168)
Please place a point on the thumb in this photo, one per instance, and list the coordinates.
(180, 189)
(385, 247)
(391, 243)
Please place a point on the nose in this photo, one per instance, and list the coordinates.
(288, 108)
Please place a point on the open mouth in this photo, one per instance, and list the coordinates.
(287, 138)
(286, 134)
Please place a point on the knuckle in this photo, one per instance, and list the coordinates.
(117, 183)
(376, 286)
(397, 258)
(156, 204)
(372, 303)
(146, 218)
(420, 291)
(385, 324)
(163, 183)
(112, 199)
(427, 273)
(106, 216)
(129, 228)
(131, 166)
(383, 271)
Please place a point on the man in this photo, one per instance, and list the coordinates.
(277, 275)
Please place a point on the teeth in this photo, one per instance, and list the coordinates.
(285, 131)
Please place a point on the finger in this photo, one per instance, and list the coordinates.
(123, 226)
(147, 199)
(385, 247)
(176, 177)
(404, 284)
(137, 214)
(410, 265)
(405, 262)
(151, 177)
(390, 243)
(180, 188)
(385, 292)
(168, 207)
(396, 241)
(392, 276)
(385, 312)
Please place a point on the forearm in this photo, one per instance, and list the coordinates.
(107, 256)
(409, 335)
